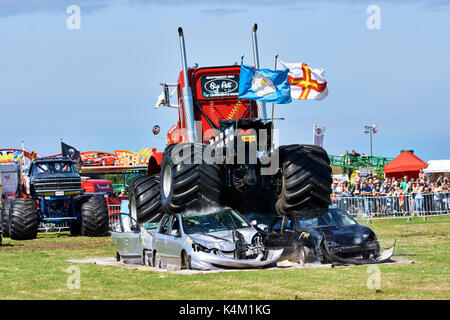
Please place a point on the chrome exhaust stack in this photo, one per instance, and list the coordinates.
(186, 93)
(261, 104)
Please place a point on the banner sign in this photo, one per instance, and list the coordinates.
(132, 158)
(319, 132)
(226, 85)
(11, 156)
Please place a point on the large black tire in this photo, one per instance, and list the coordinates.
(306, 179)
(185, 186)
(6, 206)
(94, 217)
(24, 219)
(145, 198)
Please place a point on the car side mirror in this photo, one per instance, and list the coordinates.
(254, 223)
(175, 233)
(135, 228)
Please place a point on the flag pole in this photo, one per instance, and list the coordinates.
(261, 104)
(239, 101)
(314, 132)
(23, 160)
(273, 103)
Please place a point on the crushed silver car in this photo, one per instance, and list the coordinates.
(221, 238)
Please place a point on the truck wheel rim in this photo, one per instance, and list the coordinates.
(167, 180)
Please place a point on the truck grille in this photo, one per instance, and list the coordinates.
(57, 184)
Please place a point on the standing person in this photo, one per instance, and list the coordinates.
(418, 197)
(428, 196)
(376, 193)
(356, 192)
(370, 174)
(347, 163)
(391, 201)
(408, 201)
(384, 191)
(404, 184)
(346, 194)
(421, 174)
(355, 155)
(357, 178)
(401, 199)
(366, 191)
(438, 188)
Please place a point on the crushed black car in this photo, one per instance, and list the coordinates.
(331, 237)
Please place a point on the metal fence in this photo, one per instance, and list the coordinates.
(389, 206)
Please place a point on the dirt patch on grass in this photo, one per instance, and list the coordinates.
(56, 244)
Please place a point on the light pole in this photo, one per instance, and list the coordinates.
(371, 130)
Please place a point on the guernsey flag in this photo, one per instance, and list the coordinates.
(306, 83)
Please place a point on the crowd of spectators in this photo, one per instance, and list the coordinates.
(389, 195)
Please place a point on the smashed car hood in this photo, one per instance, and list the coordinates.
(222, 240)
(346, 236)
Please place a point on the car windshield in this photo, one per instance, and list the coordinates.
(334, 217)
(53, 167)
(212, 222)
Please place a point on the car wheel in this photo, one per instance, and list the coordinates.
(118, 257)
(147, 259)
(185, 261)
(157, 261)
(303, 255)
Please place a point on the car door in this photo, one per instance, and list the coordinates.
(117, 233)
(174, 244)
(281, 233)
(127, 241)
(161, 238)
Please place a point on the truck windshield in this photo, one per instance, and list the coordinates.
(212, 222)
(53, 167)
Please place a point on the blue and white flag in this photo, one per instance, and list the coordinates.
(264, 85)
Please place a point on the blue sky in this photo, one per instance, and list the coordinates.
(96, 87)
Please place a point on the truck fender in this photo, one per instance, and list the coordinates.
(154, 163)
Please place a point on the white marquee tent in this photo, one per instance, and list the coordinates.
(436, 166)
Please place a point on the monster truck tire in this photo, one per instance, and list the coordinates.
(187, 182)
(94, 217)
(306, 179)
(145, 199)
(6, 206)
(24, 219)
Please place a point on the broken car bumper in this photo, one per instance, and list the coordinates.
(207, 261)
(384, 257)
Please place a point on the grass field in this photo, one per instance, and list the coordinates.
(37, 269)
